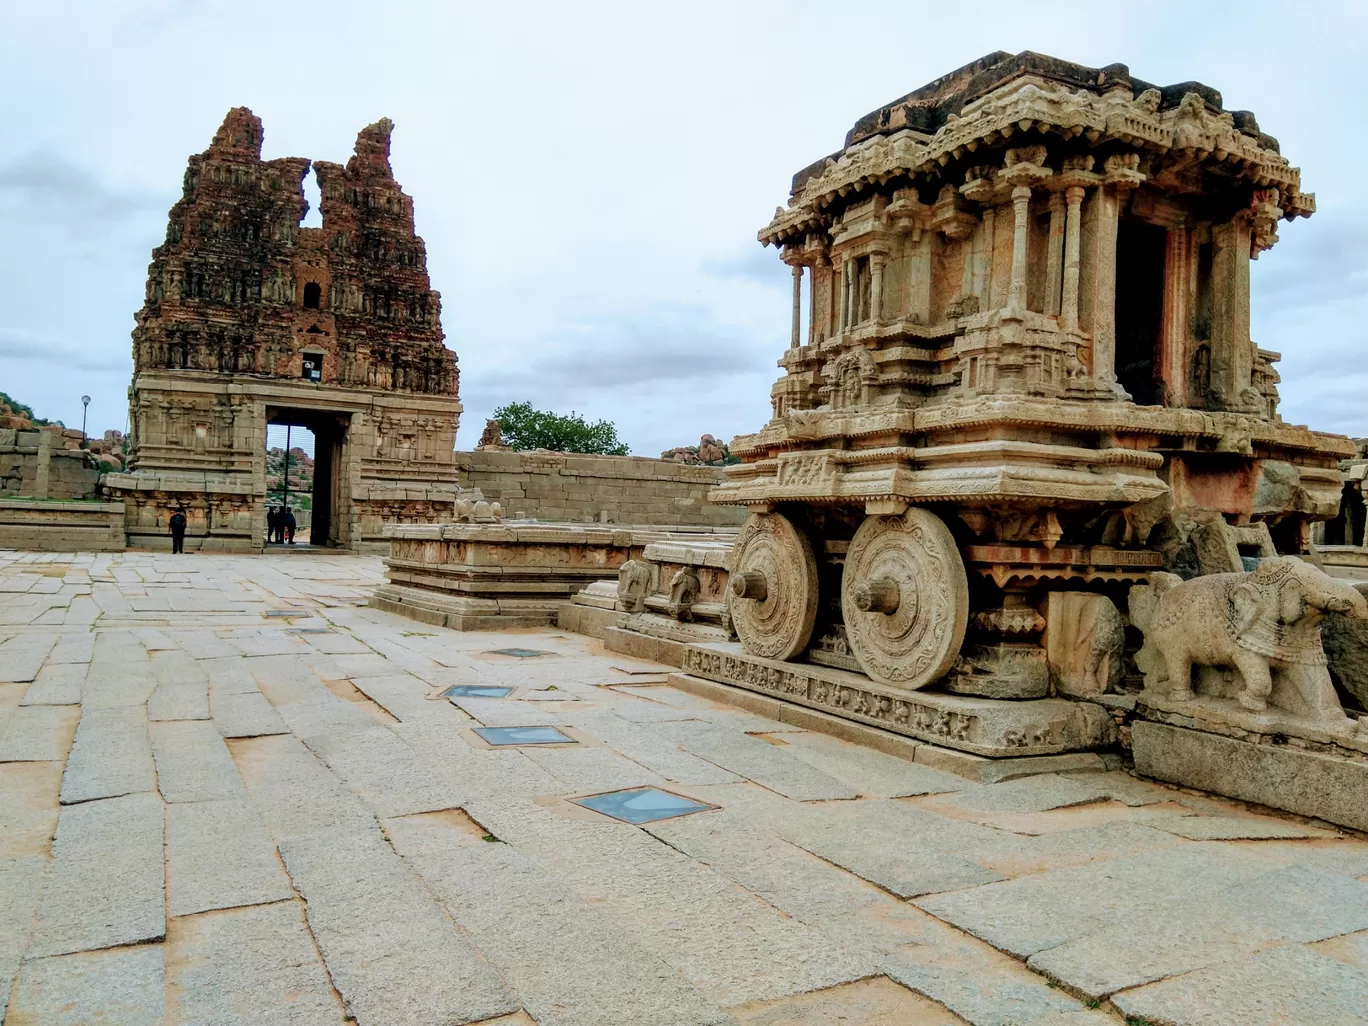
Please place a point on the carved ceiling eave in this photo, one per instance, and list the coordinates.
(1190, 131)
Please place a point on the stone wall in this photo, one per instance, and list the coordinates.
(570, 488)
(36, 463)
(38, 525)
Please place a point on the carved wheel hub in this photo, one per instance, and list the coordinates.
(905, 598)
(773, 587)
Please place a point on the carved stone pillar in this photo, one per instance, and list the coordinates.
(1021, 209)
(812, 305)
(985, 289)
(1054, 263)
(1174, 357)
(796, 339)
(1232, 356)
(847, 293)
(876, 271)
(1102, 298)
(1068, 303)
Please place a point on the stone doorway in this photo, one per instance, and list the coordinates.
(315, 485)
(1140, 254)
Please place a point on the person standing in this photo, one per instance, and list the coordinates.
(272, 524)
(177, 525)
(290, 524)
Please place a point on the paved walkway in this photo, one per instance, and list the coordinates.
(230, 793)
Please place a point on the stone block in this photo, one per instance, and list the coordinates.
(981, 726)
(1326, 787)
(1084, 643)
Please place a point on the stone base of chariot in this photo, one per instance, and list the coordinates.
(982, 726)
(1266, 770)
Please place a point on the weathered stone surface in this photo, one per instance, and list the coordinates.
(245, 715)
(295, 793)
(1293, 904)
(29, 811)
(111, 755)
(193, 764)
(22, 655)
(106, 885)
(219, 855)
(518, 914)
(1310, 989)
(386, 773)
(1325, 787)
(730, 945)
(876, 840)
(757, 760)
(39, 733)
(380, 938)
(248, 967)
(21, 879)
(1035, 913)
(125, 987)
(874, 1002)
(58, 684)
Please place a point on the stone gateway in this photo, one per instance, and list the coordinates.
(251, 319)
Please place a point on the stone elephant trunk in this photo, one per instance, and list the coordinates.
(1264, 624)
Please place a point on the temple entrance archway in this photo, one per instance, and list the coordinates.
(313, 442)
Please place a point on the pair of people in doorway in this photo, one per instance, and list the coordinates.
(280, 525)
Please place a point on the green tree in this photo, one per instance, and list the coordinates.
(523, 427)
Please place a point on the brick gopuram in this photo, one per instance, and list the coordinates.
(251, 319)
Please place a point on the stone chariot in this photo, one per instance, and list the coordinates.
(1026, 382)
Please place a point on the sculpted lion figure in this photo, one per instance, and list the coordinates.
(1260, 623)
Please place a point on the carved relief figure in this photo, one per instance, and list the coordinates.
(1265, 624)
(634, 584)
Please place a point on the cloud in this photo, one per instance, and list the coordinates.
(1317, 262)
(25, 350)
(674, 343)
(755, 264)
(45, 185)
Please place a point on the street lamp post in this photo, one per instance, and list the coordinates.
(85, 405)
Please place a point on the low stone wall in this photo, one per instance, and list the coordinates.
(39, 525)
(569, 488)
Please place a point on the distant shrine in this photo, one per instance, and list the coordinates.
(252, 320)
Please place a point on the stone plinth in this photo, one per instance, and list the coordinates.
(51, 526)
(1294, 779)
(983, 726)
(503, 574)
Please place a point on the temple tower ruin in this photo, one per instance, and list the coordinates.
(251, 319)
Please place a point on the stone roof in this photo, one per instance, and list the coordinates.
(931, 134)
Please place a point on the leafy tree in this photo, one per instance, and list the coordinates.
(523, 427)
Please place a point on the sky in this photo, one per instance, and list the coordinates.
(589, 177)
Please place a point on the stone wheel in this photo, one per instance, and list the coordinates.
(773, 586)
(905, 598)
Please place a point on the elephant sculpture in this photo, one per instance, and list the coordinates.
(1264, 624)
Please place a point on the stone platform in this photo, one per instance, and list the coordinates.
(983, 726)
(505, 574)
(62, 526)
(1309, 783)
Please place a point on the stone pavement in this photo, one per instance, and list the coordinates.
(230, 793)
